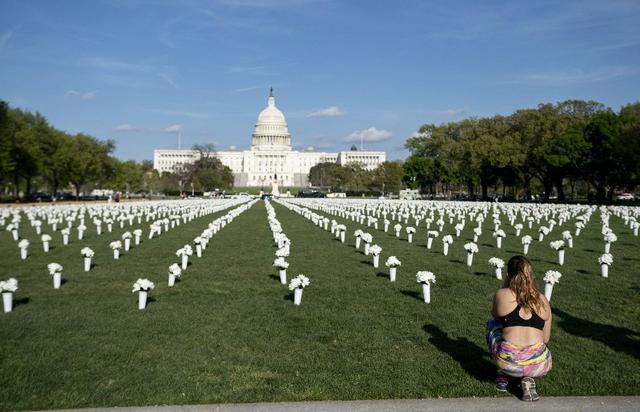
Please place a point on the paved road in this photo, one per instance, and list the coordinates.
(568, 404)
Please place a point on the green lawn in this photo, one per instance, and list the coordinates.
(229, 332)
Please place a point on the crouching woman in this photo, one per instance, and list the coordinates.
(520, 330)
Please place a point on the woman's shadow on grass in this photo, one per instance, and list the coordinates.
(617, 338)
(471, 357)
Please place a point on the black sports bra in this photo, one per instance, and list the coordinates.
(514, 319)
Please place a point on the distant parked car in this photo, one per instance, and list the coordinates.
(625, 196)
(267, 196)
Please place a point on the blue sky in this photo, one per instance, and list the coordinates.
(137, 71)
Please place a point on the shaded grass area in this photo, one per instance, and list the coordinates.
(228, 332)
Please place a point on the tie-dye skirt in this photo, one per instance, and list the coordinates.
(514, 360)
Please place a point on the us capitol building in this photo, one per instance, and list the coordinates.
(271, 159)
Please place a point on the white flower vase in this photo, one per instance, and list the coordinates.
(376, 261)
(635, 230)
(45, 247)
(65, 239)
(99, 230)
(80, 234)
(342, 236)
(142, 299)
(604, 269)
(578, 231)
(122, 224)
(172, 280)
(429, 242)
(445, 249)
(23, 253)
(499, 273)
(7, 301)
(475, 238)
(397, 233)
(530, 224)
(283, 276)
(426, 292)
(297, 296)
(366, 249)
(499, 242)
(469, 259)
(116, 254)
(57, 280)
(607, 247)
(375, 225)
(127, 244)
(540, 237)
(570, 243)
(185, 261)
(561, 257)
(386, 227)
(109, 227)
(358, 240)
(87, 264)
(517, 232)
(526, 249)
(14, 233)
(548, 290)
(38, 230)
(199, 251)
(410, 237)
(392, 273)
(137, 240)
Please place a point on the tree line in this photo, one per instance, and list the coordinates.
(564, 146)
(35, 156)
(354, 179)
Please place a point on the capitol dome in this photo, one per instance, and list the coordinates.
(271, 131)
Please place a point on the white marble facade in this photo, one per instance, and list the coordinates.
(271, 158)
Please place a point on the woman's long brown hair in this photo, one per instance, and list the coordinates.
(521, 281)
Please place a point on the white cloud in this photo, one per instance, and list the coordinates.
(125, 127)
(332, 111)
(454, 112)
(169, 79)
(5, 37)
(559, 78)
(369, 135)
(81, 95)
(251, 88)
(174, 128)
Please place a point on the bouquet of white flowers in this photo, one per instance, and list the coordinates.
(375, 250)
(557, 244)
(410, 230)
(358, 233)
(116, 244)
(471, 247)
(299, 282)
(282, 252)
(143, 285)
(127, 235)
(45, 238)
(86, 252)
(186, 251)
(392, 262)
(526, 239)
(54, 268)
(496, 262)
(367, 238)
(447, 239)
(175, 270)
(10, 285)
(543, 230)
(23, 244)
(552, 277)
(610, 237)
(280, 263)
(425, 277)
(606, 259)
(499, 233)
(432, 233)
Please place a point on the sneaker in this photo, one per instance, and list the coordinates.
(501, 383)
(528, 386)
